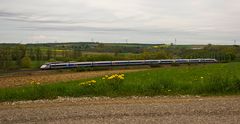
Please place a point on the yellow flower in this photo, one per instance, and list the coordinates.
(109, 78)
(103, 78)
(32, 82)
(93, 81)
(201, 77)
(121, 78)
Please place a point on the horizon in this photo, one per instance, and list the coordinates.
(37, 43)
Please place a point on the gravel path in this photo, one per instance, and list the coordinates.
(167, 110)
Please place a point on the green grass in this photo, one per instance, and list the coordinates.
(214, 79)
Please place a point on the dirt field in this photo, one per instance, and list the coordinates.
(166, 110)
(51, 77)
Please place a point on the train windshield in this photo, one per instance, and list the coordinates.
(43, 66)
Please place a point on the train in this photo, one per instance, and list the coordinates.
(65, 65)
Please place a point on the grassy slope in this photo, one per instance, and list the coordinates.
(215, 79)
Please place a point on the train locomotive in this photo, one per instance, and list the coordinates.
(65, 65)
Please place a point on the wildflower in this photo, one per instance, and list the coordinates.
(83, 83)
(109, 78)
(121, 78)
(201, 77)
(93, 81)
(103, 78)
(32, 82)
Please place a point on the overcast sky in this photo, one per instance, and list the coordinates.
(139, 21)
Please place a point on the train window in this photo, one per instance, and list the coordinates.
(85, 64)
(102, 63)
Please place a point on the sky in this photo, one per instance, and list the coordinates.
(120, 21)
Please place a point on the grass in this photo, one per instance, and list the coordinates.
(214, 79)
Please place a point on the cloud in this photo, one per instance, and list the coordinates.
(199, 21)
(41, 37)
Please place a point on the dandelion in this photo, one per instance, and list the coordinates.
(121, 78)
(32, 82)
(93, 81)
(109, 78)
(88, 83)
(83, 83)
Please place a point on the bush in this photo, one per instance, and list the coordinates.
(51, 60)
(26, 62)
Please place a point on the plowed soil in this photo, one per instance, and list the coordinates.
(52, 77)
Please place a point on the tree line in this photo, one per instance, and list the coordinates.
(24, 56)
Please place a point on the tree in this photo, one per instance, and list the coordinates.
(26, 62)
(5, 58)
(38, 53)
(161, 54)
(49, 54)
(18, 53)
(32, 54)
(76, 53)
(51, 60)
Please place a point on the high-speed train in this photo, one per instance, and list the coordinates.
(62, 65)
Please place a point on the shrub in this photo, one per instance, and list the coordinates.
(26, 62)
